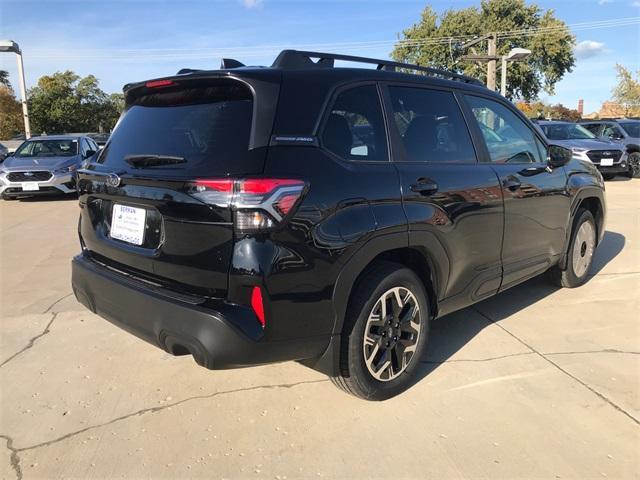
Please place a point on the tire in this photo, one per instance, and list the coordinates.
(580, 253)
(399, 288)
(608, 176)
(634, 165)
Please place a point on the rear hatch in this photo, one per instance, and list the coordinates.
(142, 211)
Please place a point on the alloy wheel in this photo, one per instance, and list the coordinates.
(391, 334)
(583, 248)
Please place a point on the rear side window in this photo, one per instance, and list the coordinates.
(431, 126)
(593, 128)
(508, 138)
(354, 129)
(185, 132)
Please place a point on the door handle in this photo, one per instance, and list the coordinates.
(511, 182)
(424, 186)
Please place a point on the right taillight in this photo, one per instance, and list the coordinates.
(258, 203)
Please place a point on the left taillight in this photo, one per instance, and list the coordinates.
(258, 203)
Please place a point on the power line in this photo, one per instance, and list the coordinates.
(262, 51)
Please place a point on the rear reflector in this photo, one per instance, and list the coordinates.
(257, 305)
(159, 83)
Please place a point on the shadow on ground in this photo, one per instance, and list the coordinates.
(451, 332)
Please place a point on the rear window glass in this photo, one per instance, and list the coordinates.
(187, 132)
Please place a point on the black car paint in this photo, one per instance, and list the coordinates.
(470, 238)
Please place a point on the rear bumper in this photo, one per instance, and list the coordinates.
(225, 336)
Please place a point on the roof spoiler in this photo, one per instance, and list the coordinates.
(227, 63)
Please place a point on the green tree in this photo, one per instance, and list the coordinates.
(627, 91)
(544, 110)
(436, 40)
(65, 102)
(4, 79)
(11, 122)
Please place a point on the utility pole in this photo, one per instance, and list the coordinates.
(492, 48)
(490, 58)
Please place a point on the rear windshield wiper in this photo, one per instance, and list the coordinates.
(145, 161)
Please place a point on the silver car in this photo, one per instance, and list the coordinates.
(624, 131)
(44, 165)
(608, 157)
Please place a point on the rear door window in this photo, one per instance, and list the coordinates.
(431, 126)
(354, 128)
(185, 132)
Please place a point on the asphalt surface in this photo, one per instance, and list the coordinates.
(536, 382)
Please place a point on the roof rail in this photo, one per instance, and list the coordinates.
(292, 59)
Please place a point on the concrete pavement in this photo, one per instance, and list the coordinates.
(534, 383)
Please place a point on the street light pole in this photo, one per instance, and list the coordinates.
(13, 47)
(515, 55)
(503, 79)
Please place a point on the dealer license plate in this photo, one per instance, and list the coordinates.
(128, 224)
(606, 162)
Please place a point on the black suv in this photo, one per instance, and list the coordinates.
(306, 212)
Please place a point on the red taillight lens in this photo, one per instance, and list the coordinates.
(159, 83)
(259, 203)
(219, 185)
(260, 186)
(257, 304)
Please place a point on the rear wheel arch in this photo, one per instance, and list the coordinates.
(390, 248)
(416, 259)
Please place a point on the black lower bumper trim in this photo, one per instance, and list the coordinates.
(613, 169)
(216, 338)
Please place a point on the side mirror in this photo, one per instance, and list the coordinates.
(89, 153)
(559, 156)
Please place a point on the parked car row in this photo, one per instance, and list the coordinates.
(613, 146)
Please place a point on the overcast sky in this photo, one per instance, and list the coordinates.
(127, 40)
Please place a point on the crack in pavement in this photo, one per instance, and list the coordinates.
(32, 341)
(612, 273)
(542, 355)
(519, 354)
(606, 350)
(158, 409)
(437, 362)
(46, 330)
(15, 458)
(67, 295)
